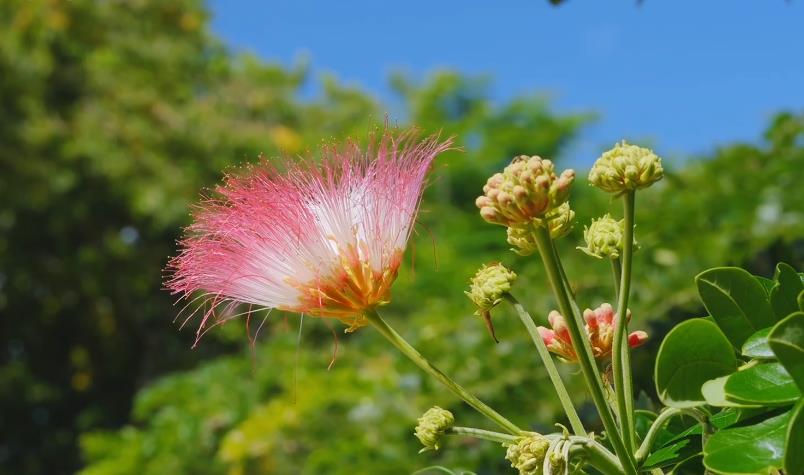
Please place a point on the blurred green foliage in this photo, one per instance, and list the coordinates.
(115, 114)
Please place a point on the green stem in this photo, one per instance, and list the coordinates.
(402, 345)
(582, 348)
(597, 455)
(621, 355)
(549, 365)
(616, 270)
(483, 434)
(661, 420)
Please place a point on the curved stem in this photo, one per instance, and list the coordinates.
(402, 345)
(661, 420)
(581, 345)
(621, 357)
(549, 365)
(483, 434)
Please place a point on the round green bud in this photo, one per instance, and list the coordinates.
(487, 287)
(432, 426)
(559, 221)
(626, 168)
(604, 237)
(527, 454)
(528, 188)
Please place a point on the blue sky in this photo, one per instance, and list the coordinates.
(684, 75)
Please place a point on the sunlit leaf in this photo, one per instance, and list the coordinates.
(736, 301)
(765, 384)
(787, 342)
(692, 353)
(754, 450)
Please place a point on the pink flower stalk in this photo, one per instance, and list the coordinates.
(600, 324)
(323, 238)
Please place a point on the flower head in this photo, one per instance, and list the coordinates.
(527, 189)
(626, 168)
(559, 223)
(604, 237)
(600, 324)
(432, 426)
(487, 288)
(323, 238)
(528, 453)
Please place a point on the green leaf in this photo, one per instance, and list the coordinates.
(714, 392)
(751, 450)
(737, 302)
(793, 454)
(766, 283)
(642, 422)
(692, 353)
(801, 301)
(787, 342)
(665, 454)
(756, 346)
(783, 296)
(765, 384)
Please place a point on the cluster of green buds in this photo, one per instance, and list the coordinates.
(527, 189)
(558, 221)
(527, 454)
(432, 426)
(604, 238)
(487, 288)
(626, 168)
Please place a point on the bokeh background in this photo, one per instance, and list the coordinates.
(114, 114)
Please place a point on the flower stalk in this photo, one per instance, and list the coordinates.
(589, 369)
(375, 320)
(549, 365)
(621, 354)
(662, 419)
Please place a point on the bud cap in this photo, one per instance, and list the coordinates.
(432, 426)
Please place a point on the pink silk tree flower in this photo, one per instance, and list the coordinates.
(600, 324)
(323, 238)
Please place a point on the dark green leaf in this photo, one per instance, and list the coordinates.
(794, 445)
(801, 301)
(737, 302)
(755, 450)
(783, 296)
(690, 466)
(787, 342)
(765, 384)
(692, 353)
(665, 454)
(756, 346)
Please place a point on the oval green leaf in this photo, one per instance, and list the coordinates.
(692, 353)
(754, 450)
(793, 454)
(765, 384)
(783, 296)
(737, 302)
(786, 340)
(714, 392)
(756, 346)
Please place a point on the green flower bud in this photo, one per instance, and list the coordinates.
(528, 188)
(487, 287)
(625, 168)
(527, 454)
(604, 237)
(559, 221)
(432, 426)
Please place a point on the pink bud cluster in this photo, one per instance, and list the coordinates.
(527, 189)
(600, 325)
